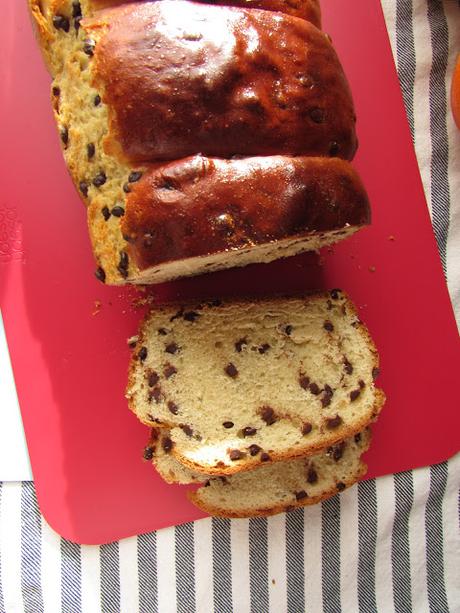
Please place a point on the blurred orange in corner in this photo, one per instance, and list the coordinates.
(455, 93)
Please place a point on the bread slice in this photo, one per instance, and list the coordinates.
(275, 209)
(273, 488)
(244, 382)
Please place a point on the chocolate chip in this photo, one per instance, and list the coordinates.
(264, 457)
(264, 348)
(306, 428)
(84, 188)
(268, 415)
(348, 366)
(354, 394)
(56, 91)
(340, 486)
(327, 396)
(231, 370)
(153, 378)
(171, 348)
(361, 384)
(99, 179)
(300, 495)
(61, 23)
(375, 373)
(314, 389)
(162, 331)
(235, 454)
(328, 326)
(249, 431)
(142, 353)
(90, 150)
(169, 371)
(317, 115)
(173, 408)
(333, 149)
(126, 188)
(65, 135)
(333, 422)
(118, 211)
(167, 444)
(288, 330)
(186, 429)
(304, 381)
(191, 315)
(239, 344)
(123, 264)
(134, 176)
(88, 46)
(148, 453)
(97, 100)
(177, 315)
(312, 475)
(336, 452)
(76, 9)
(156, 394)
(335, 294)
(100, 274)
(254, 449)
(358, 437)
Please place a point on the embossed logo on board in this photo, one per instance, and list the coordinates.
(11, 246)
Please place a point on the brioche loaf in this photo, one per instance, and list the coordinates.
(271, 488)
(243, 382)
(269, 83)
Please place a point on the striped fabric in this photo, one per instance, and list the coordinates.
(390, 544)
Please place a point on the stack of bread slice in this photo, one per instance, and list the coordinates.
(266, 401)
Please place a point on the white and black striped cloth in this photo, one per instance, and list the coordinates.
(390, 544)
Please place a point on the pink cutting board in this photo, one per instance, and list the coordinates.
(70, 364)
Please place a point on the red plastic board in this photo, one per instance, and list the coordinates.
(70, 364)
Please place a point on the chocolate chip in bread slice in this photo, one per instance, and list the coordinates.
(247, 382)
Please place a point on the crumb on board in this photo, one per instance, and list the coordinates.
(372, 268)
(391, 237)
(97, 307)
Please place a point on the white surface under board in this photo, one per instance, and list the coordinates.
(14, 458)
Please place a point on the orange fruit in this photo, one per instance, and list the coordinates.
(455, 93)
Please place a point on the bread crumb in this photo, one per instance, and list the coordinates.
(391, 237)
(273, 582)
(97, 307)
(372, 269)
(138, 303)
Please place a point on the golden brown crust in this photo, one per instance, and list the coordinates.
(231, 93)
(41, 26)
(200, 206)
(217, 511)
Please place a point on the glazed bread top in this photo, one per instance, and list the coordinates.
(305, 9)
(236, 203)
(181, 78)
